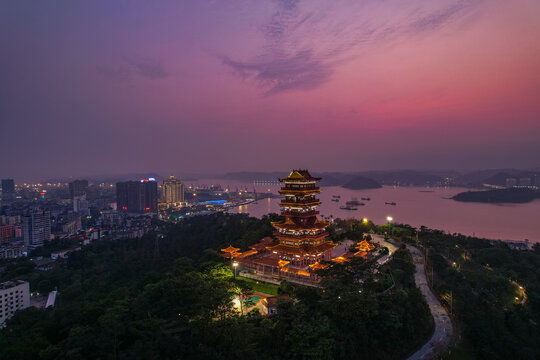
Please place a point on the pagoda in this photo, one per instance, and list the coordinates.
(301, 235)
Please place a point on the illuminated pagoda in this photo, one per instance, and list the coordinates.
(301, 237)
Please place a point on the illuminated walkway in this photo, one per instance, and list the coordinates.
(443, 326)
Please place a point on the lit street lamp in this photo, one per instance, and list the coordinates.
(235, 265)
(389, 220)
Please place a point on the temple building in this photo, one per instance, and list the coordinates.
(301, 237)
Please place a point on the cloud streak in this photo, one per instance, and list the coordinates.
(305, 41)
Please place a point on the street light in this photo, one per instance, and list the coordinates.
(365, 220)
(235, 265)
(389, 220)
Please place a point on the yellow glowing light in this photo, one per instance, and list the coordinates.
(365, 220)
(389, 218)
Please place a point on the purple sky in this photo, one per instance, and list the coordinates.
(101, 87)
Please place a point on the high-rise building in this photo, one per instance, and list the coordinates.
(14, 296)
(172, 191)
(8, 186)
(80, 205)
(8, 189)
(7, 232)
(137, 196)
(78, 188)
(36, 229)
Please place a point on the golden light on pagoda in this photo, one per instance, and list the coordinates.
(282, 263)
(230, 249)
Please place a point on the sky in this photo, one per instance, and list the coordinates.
(210, 86)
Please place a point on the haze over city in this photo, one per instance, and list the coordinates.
(108, 87)
(270, 179)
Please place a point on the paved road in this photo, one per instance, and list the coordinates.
(443, 326)
(379, 239)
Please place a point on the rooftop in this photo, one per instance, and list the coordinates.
(9, 284)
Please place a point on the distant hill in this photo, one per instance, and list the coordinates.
(255, 175)
(513, 195)
(404, 177)
(360, 182)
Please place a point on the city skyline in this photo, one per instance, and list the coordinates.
(212, 87)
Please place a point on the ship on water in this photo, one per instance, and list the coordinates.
(354, 202)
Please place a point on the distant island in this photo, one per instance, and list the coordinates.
(360, 183)
(512, 195)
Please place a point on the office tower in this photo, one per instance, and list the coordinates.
(14, 296)
(36, 229)
(78, 188)
(137, 196)
(172, 191)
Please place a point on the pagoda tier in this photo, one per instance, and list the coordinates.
(302, 237)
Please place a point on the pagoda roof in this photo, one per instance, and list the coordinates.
(365, 246)
(318, 266)
(303, 249)
(298, 175)
(288, 224)
(360, 253)
(313, 202)
(230, 249)
(245, 253)
(282, 263)
(281, 236)
(312, 190)
(340, 259)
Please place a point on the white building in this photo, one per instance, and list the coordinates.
(14, 296)
(36, 229)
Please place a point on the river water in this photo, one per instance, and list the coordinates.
(431, 207)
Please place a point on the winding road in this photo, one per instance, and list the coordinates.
(443, 325)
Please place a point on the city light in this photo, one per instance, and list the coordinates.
(389, 218)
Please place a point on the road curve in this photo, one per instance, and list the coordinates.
(443, 326)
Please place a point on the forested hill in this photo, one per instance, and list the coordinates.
(135, 299)
(360, 182)
(513, 195)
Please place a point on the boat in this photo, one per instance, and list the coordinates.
(366, 198)
(336, 200)
(348, 207)
(390, 203)
(336, 196)
(354, 202)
